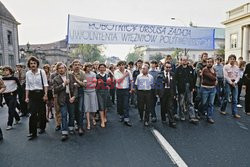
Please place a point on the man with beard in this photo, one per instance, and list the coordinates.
(199, 66)
(208, 89)
(185, 80)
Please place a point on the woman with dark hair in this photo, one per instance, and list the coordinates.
(246, 82)
(102, 90)
(90, 98)
(49, 102)
(10, 95)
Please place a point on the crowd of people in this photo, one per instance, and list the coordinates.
(183, 89)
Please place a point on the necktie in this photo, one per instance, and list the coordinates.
(168, 80)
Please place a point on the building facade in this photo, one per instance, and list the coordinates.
(8, 37)
(237, 32)
(192, 54)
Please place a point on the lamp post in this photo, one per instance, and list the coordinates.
(190, 25)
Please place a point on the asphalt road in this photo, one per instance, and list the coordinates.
(225, 143)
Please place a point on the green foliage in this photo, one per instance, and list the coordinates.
(132, 57)
(221, 51)
(176, 53)
(89, 53)
(157, 57)
(136, 54)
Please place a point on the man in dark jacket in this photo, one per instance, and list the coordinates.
(185, 81)
(64, 86)
(166, 90)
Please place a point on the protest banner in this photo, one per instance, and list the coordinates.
(92, 31)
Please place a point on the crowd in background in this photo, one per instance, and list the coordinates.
(78, 92)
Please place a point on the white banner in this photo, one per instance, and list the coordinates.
(91, 31)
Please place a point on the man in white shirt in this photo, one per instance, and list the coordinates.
(232, 77)
(123, 84)
(144, 82)
(36, 95)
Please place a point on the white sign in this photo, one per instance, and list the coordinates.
(91, 31)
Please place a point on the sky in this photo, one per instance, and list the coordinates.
(45, 21)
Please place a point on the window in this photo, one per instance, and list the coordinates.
(233, 41)
(1, 59)
(9, 37)
(11, 61)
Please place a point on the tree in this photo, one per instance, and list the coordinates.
(158, 57)
(89, 53)
(132, 57)
(136, 54)
(221, 51)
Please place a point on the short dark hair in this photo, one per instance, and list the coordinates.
(121, 63)
(32, 58)
(146, 62)
(102, 64)
(219, 58)
(204, 53)
(167, 63)
(154, 62)
(140, 60)
(231, 56)
(131, 63)
(210, 58)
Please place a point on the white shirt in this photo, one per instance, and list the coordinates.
(169, 79)
(144, 82)
(34, 82)
(64, 78)
(11, 86)
(125, 83)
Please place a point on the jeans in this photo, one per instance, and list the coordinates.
(185, 99)
(208, 95)
(10, 100)
(67, 108)
(79, 110)
(234, 90)
(123, 103)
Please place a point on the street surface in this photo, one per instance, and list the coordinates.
(225, 143)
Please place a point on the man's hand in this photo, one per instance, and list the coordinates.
(233, 84)
(72, 99)
(126, 74)
(27, 100)
(45, 97)
(132, 90)
(66, 82)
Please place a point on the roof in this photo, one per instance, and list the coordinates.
(238, 13)
(5, 14)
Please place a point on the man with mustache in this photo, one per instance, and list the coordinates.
(36, 95)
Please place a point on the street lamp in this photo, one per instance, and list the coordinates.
(191, 25)
(180, 20)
